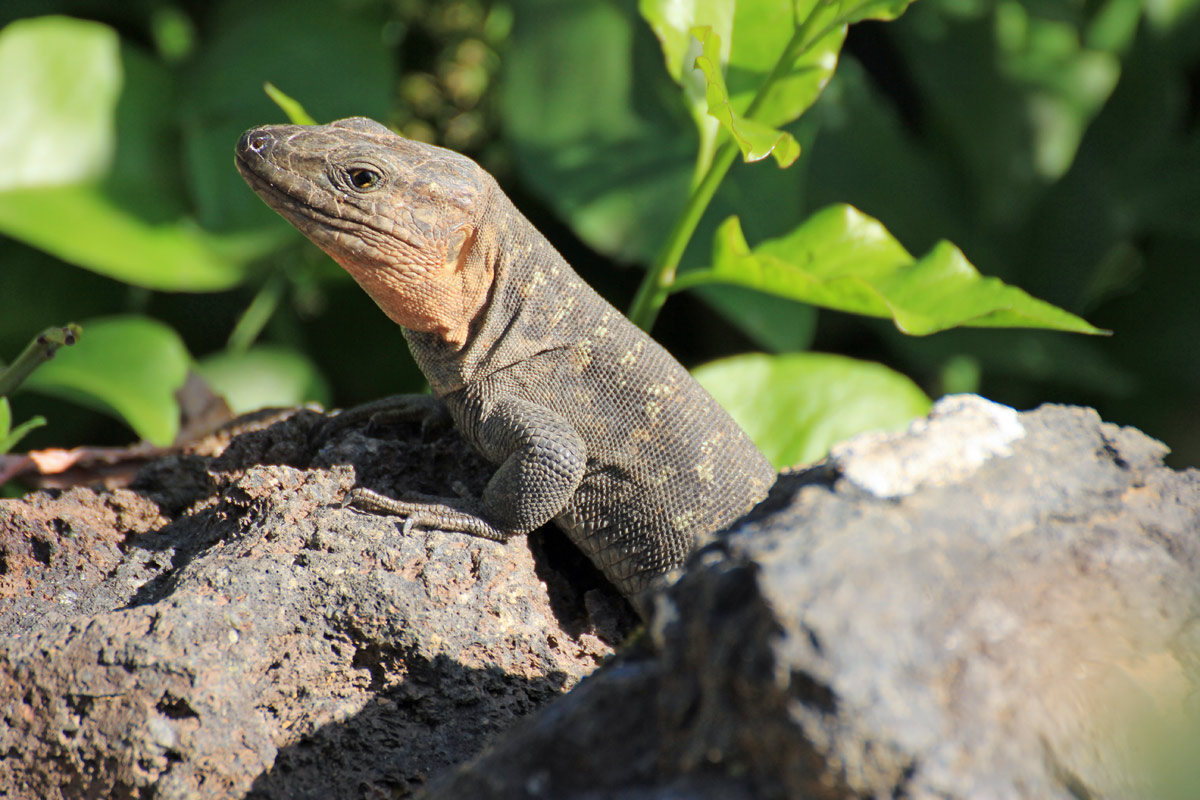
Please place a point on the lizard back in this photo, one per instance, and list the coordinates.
(666, 465)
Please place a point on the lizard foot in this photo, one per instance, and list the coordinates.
(430, 513)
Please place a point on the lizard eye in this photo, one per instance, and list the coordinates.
(363, 178)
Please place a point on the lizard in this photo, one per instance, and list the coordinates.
(590, 423)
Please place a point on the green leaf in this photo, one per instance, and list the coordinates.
(795, 406)
(770, 44)
(127, 366)
(69, 188)
(842, 259)
(335, 58)
(672, 22)
(590, 134)
(264, 376)
(755, 139)
(59, 82)
(758, 42)
(848, 12)
(592, 137)
(289, 105)
(9, 436)
(105, 238)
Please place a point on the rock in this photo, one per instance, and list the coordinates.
(225, 629)
(990, 605)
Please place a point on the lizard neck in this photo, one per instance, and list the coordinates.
(528, 282)
(443, 296)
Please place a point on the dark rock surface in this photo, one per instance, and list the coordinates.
(225, 629)
(990, 606)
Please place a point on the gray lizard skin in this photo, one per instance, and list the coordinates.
(590, 422)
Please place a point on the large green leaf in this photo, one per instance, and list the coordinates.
(771, 41)
(795, 406)
(264, 376)
(127, 366)
(785, 53)
(59, 81)
(68, 187)
(832, 13)
(842, 259)
(759, 48)
(81, 225)
(672, 22)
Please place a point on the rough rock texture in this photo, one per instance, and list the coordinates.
(226, 629)
(990, 606)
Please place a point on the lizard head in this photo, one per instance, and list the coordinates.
(402, 217)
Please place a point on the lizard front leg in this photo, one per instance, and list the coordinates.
(541, 461)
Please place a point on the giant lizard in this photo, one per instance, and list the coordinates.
(591, 424)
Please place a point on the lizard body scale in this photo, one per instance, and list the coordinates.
(592, 424)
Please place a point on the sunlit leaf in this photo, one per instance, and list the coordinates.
(842, 259)
(795, 406)
(764, 44)
(68, 188)
(672, 22)
(264, 377)
(80, 225)
(755, 139)
(848, 12)
(127, 366)
(59, 82)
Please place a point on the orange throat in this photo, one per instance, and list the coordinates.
(442, 298)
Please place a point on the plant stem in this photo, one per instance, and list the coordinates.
(36, 353)
(256, 315)
(660, 278)
(655, 286)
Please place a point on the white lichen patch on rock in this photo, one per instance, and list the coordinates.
(960, 434)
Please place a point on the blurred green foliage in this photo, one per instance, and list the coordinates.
(1056, 142)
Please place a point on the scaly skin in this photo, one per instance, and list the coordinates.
(591, 424)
